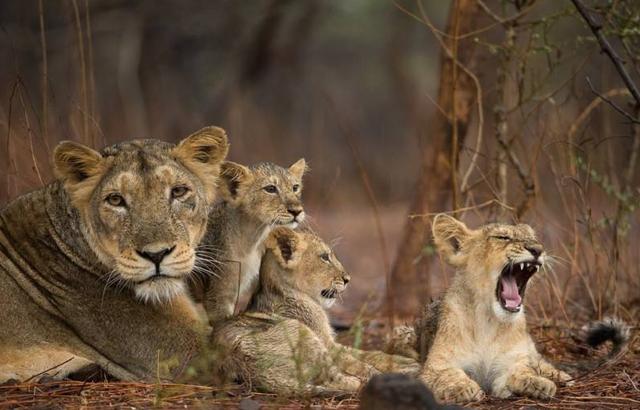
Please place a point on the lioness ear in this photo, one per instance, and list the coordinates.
(449, 235)
(286, 245)
(235, 178)
(80, 168)
(202, 152)
(299, 168)
(75, 162)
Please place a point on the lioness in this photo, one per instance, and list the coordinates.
(475, 339)
(255, 200)
(284, 342)
(92, 266)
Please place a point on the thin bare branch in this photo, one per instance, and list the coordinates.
(596, 29)
(611, 103)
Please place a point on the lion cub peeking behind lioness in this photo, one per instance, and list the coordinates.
(284, 342)
(475, 338)
(255, 200)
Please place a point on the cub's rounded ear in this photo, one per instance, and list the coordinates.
(299, 168)
(449, 235)
(235, 179)
(202, 152)
(287, 246)
(75, 162)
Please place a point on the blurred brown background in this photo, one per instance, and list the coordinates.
(366, 91)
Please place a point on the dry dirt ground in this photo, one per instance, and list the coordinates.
(616, 384)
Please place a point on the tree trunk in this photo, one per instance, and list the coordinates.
(439, 149)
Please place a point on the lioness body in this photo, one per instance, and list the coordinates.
(72, 290)
(474, 340)
(284, 342)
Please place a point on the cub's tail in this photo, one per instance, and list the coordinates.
(599, 332)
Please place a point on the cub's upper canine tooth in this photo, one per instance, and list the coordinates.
(521, 266)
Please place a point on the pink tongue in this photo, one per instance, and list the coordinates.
(510, 292)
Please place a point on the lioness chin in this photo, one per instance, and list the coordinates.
(89, 263)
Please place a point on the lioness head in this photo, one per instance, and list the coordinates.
(143, 205)
(303, 262)
(497, 259)
(269, 193)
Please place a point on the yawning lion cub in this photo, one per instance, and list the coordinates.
(475, 338)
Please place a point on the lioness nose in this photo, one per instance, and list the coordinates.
(294, 211)
(156, 257)
(346, 279)
(535, 249)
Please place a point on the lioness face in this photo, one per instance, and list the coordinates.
(308, 265)
(498, 259)
(270, 194)
(144, 206)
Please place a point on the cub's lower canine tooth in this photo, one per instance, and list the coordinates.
(522, 266)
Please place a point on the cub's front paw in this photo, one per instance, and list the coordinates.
(534, 386)
(463, 391)
(565, 378)
(405, 365)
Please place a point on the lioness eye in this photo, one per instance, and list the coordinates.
(296, 187)
(325, 257)
(502, 237)
(179, 191)
(272, 189)
(115, 200)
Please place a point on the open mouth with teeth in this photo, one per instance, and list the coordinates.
(512, 284)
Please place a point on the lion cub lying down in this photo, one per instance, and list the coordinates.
(475, 338)
(284, 342)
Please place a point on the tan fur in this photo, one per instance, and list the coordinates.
(74, 279)
(232, 248)
(471, 345)
(284, 342)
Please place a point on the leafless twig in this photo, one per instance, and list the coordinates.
(611, 103)
(596, 29)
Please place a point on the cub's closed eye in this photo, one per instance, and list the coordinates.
(179, 191)
(324, 257)
(296, 187)
(115, 200)
(271, 189)
(502, 237)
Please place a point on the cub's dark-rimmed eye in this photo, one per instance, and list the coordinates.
(271, 189)
(296, 188)
(115, 200)
(502, 237)
(325, 257)
(179, 191)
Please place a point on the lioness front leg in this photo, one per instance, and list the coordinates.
(451, 385)
(523, 380)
